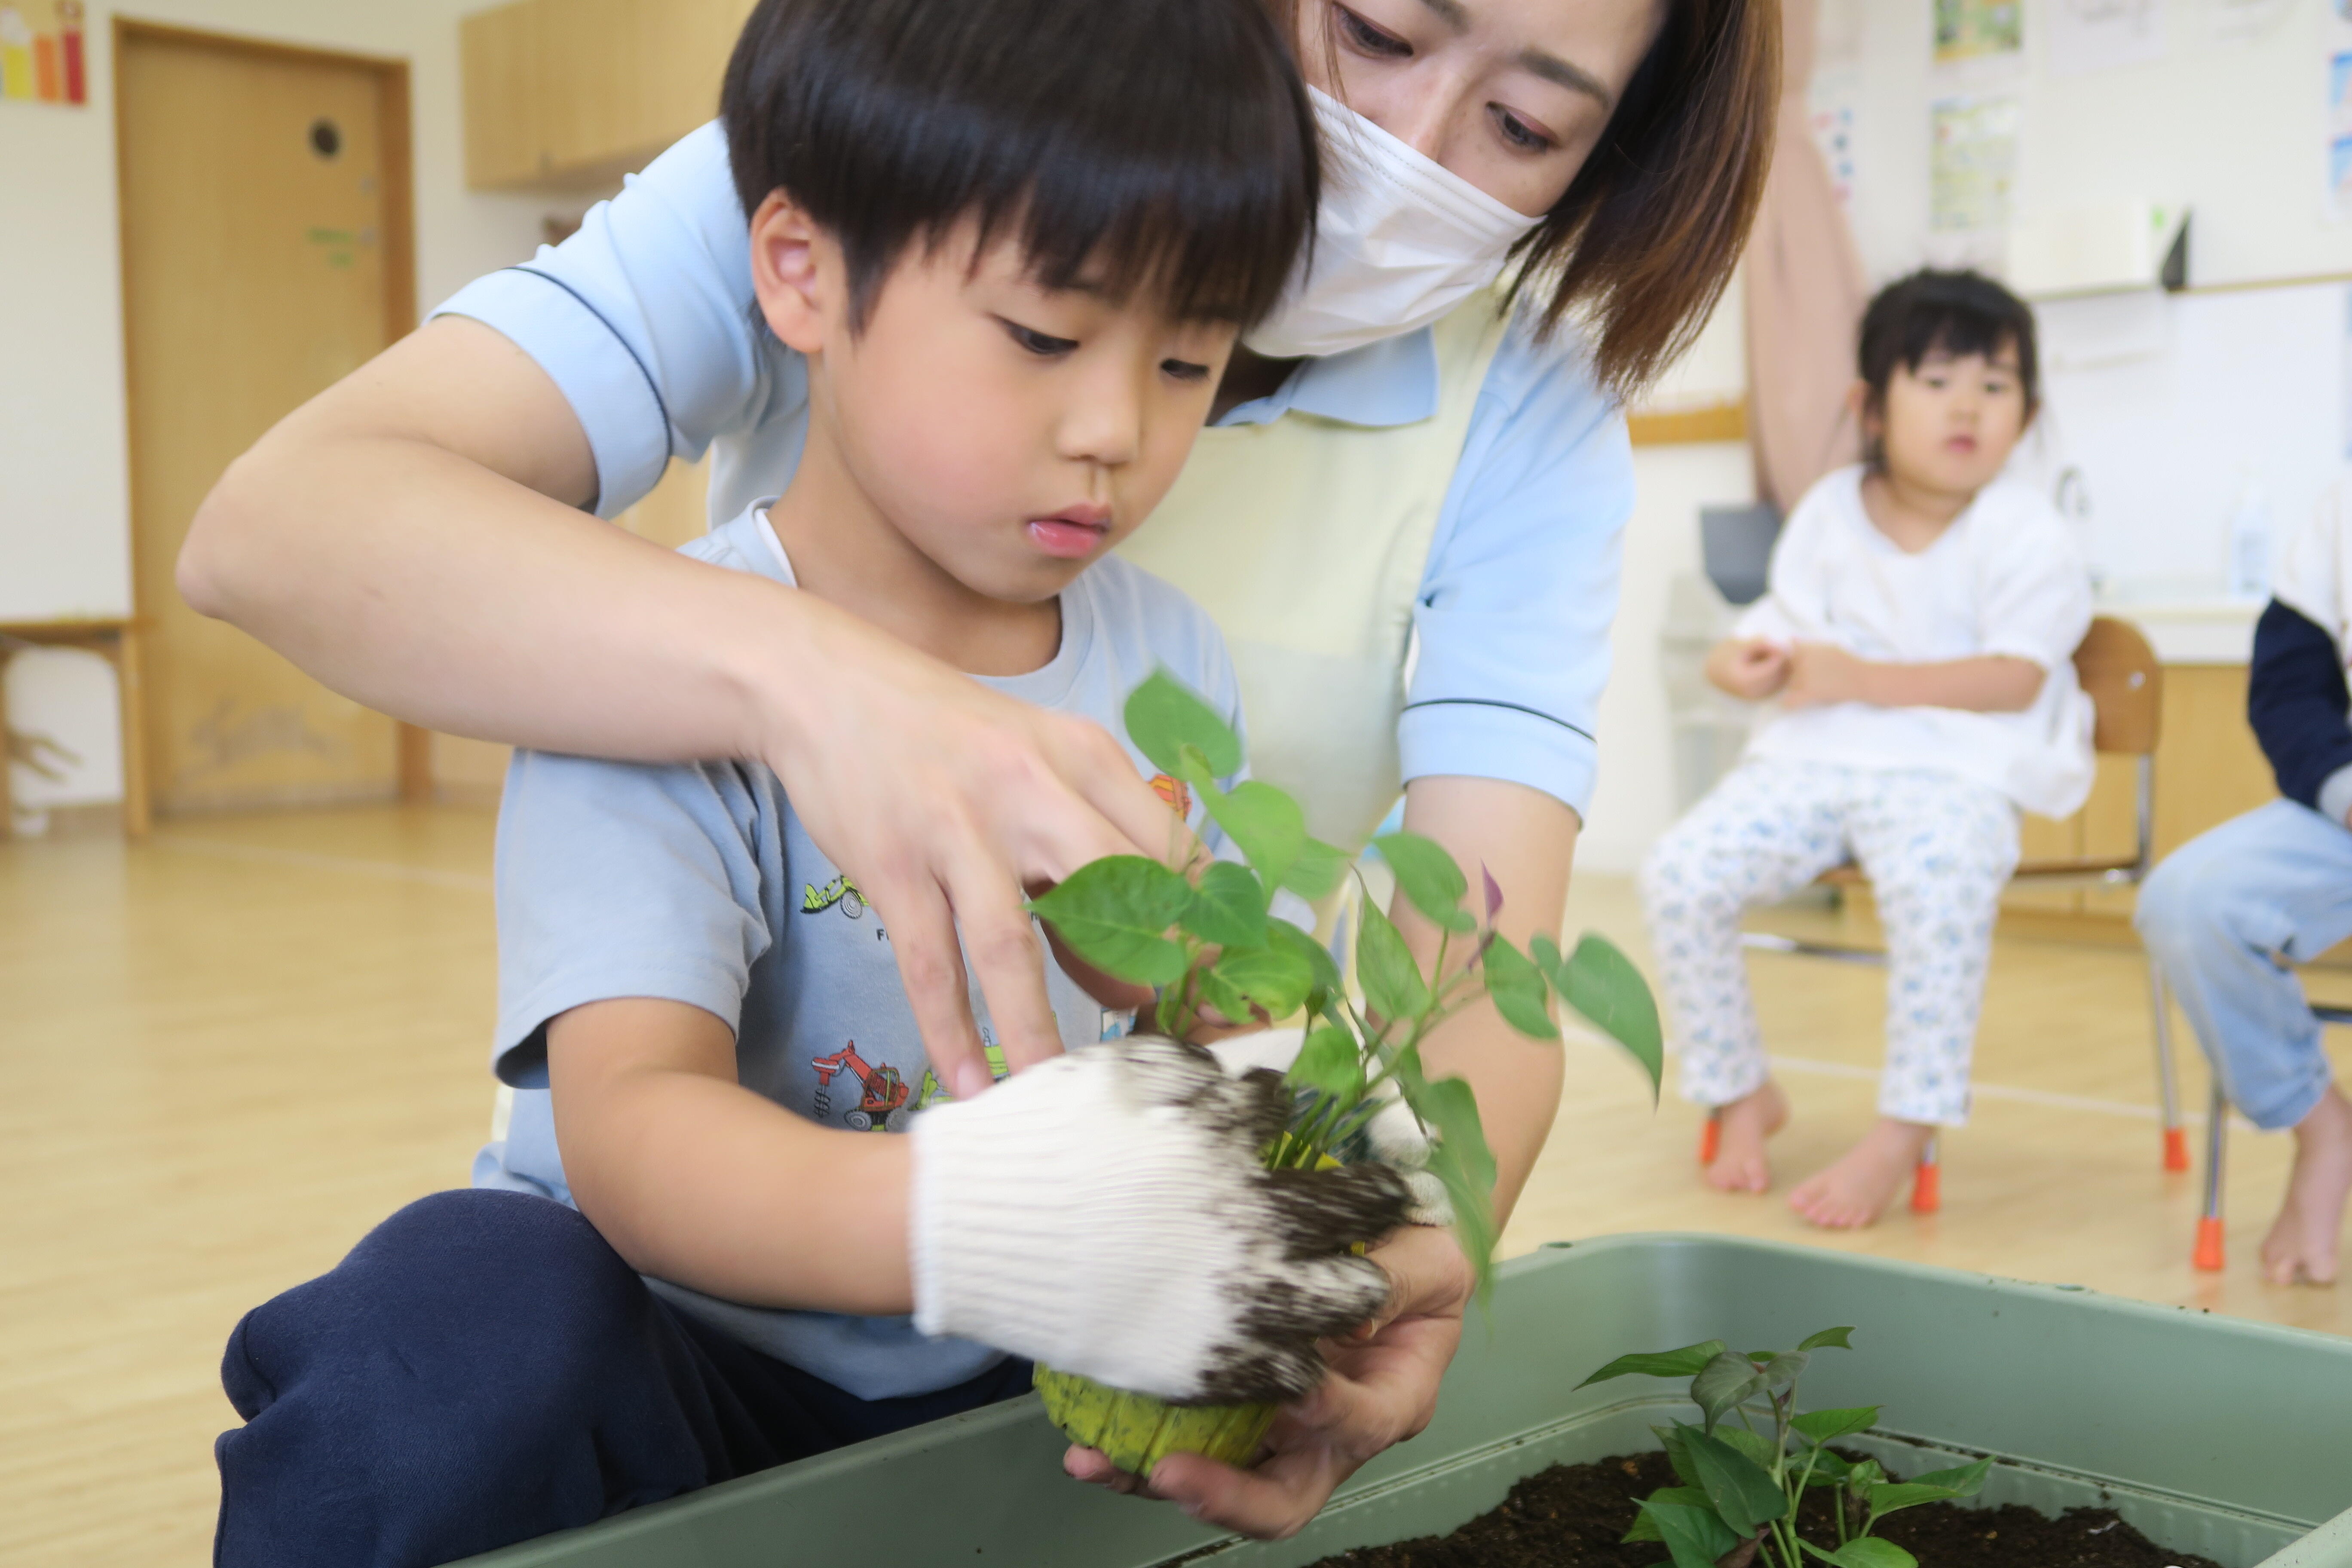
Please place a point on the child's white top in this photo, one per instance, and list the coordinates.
(2004, 578)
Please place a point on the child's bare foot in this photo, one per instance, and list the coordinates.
(1852, 1192)
(2300, 1247)
(1742, 1128)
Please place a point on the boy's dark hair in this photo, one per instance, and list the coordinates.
(1164, 146)
(1958, 313)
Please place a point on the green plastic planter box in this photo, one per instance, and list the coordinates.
(2229, 1440)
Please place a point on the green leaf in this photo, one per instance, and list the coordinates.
(1391, 980)
(1473, 1199)
(1962, 1480)
(1784, 1368)
(1164, 716)
(1743, 1491)
(1886, 1497)
(1677, 1452)
(1317, 869)
(1839, 1338)
(1115, 913)
(1645, 1527)
(1329, 1065)
(1828, 1471)
(1826, 1426)
(1601, 983)
(1694, 1535)
(1865, 1552)
(1725, 1384)
(1228, 907)
(1274, 978)
(1449, 1106)
(1754, 1445)
(1428, 877)
(1517, 988)
(1264, 824)
(1864, 1474)
(1687, 1362)
(1323, 968)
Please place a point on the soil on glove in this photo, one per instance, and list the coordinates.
(1572, 1516)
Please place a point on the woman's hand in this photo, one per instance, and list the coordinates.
(1382, 1389)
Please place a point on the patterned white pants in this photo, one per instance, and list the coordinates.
(1936, 849)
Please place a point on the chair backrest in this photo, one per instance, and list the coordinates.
(2125, 684)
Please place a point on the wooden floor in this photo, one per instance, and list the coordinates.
(225, 1053)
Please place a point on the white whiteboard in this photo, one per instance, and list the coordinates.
(2228, 386)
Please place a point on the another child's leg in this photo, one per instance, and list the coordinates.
(1937, 851)
(1761, 835)
(2224, 916)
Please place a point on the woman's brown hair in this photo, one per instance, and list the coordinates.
(1642, 243)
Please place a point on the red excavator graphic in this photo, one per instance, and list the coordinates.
(882, 1100)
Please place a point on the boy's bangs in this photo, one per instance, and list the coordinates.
(1159, 149)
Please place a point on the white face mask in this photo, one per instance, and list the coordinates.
(1399, 241)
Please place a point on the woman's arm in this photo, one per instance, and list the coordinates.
(409, 537)
(1822, 673)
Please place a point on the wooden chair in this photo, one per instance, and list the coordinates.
(2118, 670)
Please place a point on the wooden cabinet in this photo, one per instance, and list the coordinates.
(575, 93)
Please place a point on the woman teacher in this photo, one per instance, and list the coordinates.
(1395, 457)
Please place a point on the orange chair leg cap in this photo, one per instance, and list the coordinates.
(1710, 1139)
(2208, 1244)
(1926, 1188)
(2175, 1149)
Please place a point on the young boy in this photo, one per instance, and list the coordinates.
(1014, 276)
(1919, 634)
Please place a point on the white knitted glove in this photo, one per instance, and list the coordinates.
(1105, 1213)
(1394, 1136)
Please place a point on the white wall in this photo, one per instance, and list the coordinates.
(63, 491)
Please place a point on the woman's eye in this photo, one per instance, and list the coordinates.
(1371, 40)
(1037, 343)
(1183, 370)
(1520, 135)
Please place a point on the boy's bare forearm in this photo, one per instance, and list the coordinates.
(1990, 683)
(697, 1180)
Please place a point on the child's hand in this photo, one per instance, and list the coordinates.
(1822, 673)
(1106, 1211)
(1751, 670)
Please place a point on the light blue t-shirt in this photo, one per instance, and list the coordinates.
(697, 884)
(646, 320)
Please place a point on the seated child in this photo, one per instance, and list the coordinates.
(1014, 279)
(1918, 632)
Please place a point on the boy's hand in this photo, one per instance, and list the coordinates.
(1751, 670)
(1106, 1213)
(1822, 673)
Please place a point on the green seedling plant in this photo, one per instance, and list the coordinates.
(1204, 936)
(1740, 1487)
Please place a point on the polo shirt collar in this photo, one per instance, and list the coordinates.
(1393, 381)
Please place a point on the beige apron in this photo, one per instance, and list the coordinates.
(1306, 538)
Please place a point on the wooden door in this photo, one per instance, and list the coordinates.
(265, 255)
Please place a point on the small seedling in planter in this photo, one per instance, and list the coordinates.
(1742, 1487)
(1206, 939)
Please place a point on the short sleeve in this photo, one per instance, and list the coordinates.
(1514, 610)
(645, 318)
(1795, 585)
(621, 880)
(2036, 590)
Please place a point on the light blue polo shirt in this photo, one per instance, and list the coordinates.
(646, 320)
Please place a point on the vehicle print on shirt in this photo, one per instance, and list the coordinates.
(1176, 793)
(841, 892)
(882, 1093)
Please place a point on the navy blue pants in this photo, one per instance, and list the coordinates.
(484, 1368)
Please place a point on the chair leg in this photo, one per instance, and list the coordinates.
(2208, 1255)
(1926, 1181)
(2167, 1077)
(1710, 1139)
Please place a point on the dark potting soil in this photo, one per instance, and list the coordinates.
(1571, 1515)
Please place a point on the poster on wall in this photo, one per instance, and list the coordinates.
(41, 54)
(2337, 48)
(2088, 36)
(1979, 29)
(1972, 163)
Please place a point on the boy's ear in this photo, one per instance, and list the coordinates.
(1858, 408)
(795, 268)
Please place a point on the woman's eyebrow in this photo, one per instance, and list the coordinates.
(1537, 62)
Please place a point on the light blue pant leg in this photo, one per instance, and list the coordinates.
(2225, 915)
